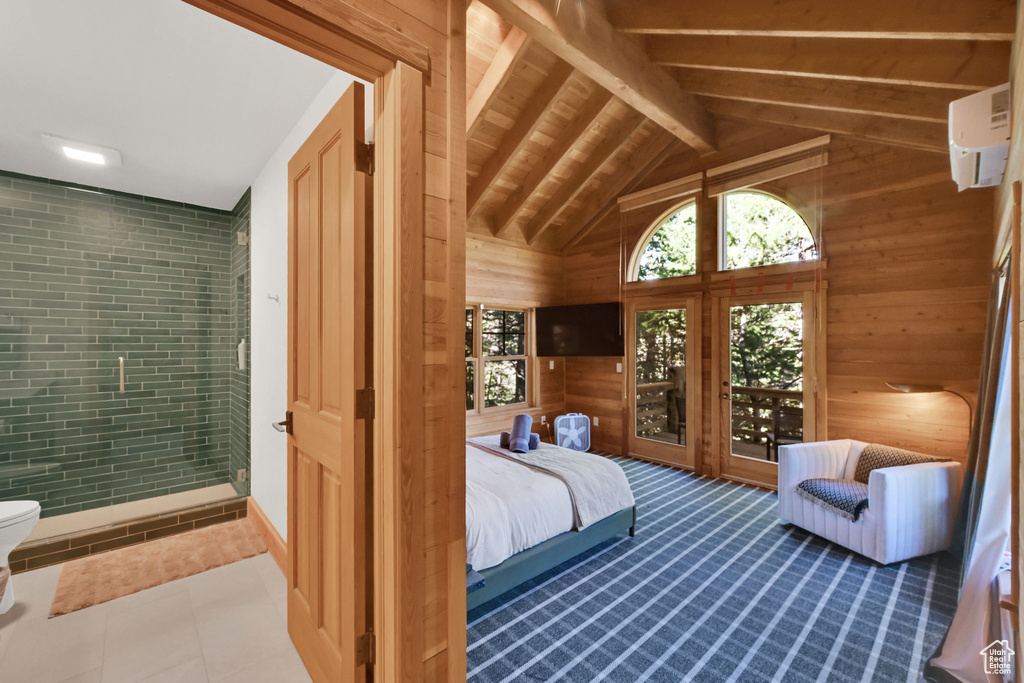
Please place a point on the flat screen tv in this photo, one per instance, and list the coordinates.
(587, 330)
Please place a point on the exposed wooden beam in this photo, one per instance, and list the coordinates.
(497, 74)
(929, 137)
(907, 102)
(608, 147)
(969, 65)
(584, 119)
(539, 105)
(908, 19)
(579, 33)
(648, 157)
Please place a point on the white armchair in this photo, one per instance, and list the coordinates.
(911, 509)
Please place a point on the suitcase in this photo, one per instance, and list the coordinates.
(573, 431)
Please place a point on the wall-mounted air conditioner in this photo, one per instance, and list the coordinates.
(979, 137)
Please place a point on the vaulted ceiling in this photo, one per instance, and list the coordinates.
(570, 104)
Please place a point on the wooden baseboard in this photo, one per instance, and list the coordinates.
(277, 546)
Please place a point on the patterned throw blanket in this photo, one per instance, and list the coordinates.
(849, 497)
(5, 573)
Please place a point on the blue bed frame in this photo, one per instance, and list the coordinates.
(534, 561)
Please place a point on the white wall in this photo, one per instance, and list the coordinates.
(268, 255)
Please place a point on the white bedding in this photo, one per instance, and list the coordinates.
(509, 508)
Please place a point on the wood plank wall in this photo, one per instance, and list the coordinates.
(908, 263)
(499, 272)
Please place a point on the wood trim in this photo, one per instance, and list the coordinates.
(769, 174)
(742, 274)
(398, 374)
(456, 220)
(665, 192)
(276, 545)
(333, 32)
(582, 36)
(767, 157)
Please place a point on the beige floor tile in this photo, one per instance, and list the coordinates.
(286, 667)
(273, 579)
(91, 676)
(192, 671)
(33, 594)
(149, 638)
(52, 650)
(239, 635)
(222, 585)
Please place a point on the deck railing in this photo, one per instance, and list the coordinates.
(756, 412)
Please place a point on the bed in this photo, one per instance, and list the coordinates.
(528, 513)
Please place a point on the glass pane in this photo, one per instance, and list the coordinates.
(470, 385)
(661, 375)
(672, 251)
(504, 382)
(761, 230)
(469, 333)
(767, 364)
(504, 333)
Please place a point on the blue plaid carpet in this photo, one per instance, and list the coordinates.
(713, 588)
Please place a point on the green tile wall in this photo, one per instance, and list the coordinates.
(87, 275)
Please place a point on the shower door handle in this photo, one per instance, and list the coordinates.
(120, 368)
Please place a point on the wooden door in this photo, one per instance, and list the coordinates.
(663, 380)
(329, 442)
(765, 380)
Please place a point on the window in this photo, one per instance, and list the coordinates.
(760, 230)
(671, 248)
(497, 339)
(470, 359)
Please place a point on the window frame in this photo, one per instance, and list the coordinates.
(633, 269)
(479, 360)
(722, 241)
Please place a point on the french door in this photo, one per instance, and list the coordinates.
(328, 368)
(663, 356)
(765, 380)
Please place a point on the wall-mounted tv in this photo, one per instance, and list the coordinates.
(587, 330)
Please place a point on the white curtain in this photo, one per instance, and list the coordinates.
(972, 627)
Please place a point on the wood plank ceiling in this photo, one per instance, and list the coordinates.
(579, 101)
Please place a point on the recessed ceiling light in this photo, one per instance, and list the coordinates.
(81, 151)
(82, 155)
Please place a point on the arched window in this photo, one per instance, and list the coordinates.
(759, 229)
(670, 247)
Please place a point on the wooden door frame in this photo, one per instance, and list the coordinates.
(692, 301)
(343, 36)
(812, 296)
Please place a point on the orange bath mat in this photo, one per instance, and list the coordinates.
(99, 578)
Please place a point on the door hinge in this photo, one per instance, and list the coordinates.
(366, 649)
(364, 158)
(365, 402)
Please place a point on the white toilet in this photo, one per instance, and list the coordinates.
(17, 519)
